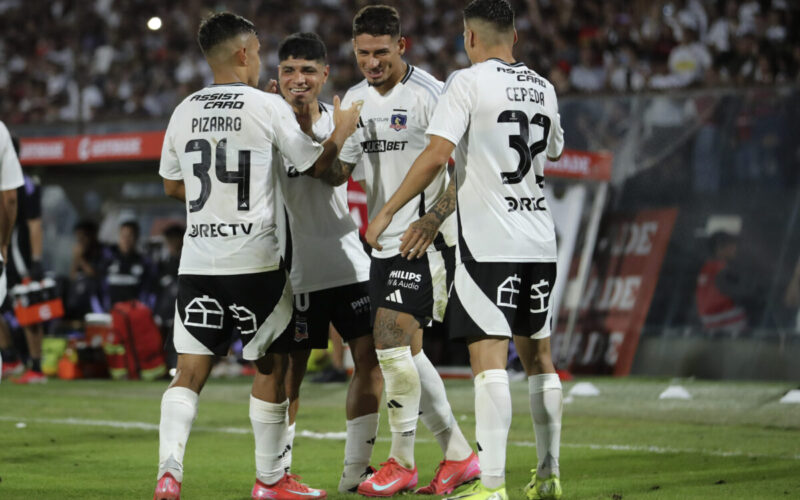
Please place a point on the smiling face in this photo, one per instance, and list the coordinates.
(301, 80)
(380, 59)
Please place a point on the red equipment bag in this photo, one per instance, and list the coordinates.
(137, 350)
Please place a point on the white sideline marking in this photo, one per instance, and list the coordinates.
(340, 436)
(792, 396)
(675, 392)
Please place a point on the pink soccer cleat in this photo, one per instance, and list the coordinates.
(167, 488)
(287, 488)
(12, 368)
(391, 478)
(31, 377)
(451, 474)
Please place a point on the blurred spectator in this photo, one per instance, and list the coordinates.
(690, 59)
(67, 61)
(127, 272)
(86, 272)
(166, 289)
(588, 75)
(719, 289)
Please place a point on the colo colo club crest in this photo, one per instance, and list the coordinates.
(398, 122)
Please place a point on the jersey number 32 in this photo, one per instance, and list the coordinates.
(519, 142)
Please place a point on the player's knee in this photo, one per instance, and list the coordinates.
(363, 351)
(189, 378)
(392, 329)
(541, 362)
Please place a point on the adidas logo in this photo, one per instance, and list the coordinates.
(395, 297)
(393, 404)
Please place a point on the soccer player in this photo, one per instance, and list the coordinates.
(221, 147)
(406, 292)
(329, 268)
(502, 120)
(10, 179)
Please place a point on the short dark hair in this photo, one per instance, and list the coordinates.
(87, 226)
(497, 12)
(303, 46)
(221, 27)
(377, 20)
(133, 226)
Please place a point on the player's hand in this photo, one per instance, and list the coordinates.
(419, 235)
(272, 86)
(303, 115)
(376, 227)
(346, 120)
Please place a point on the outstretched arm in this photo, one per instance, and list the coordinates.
(338, 173)
(421, 233)
(345, 121)
(424, 170)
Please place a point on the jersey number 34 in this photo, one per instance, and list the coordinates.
(241, 176)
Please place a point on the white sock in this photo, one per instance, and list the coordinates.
(361, 434)
(402, 397)
(286, 461)
(492, 421)
(545, 393)
(435, 411)
(270, 429)
(178, 411)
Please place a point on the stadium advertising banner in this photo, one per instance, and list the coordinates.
(79, 149)
(581, 165)
(625, 269)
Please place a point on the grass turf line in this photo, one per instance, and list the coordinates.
(733, 440)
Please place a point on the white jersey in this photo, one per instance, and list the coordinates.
(10, 169)
(224, 141)
(504, 119)
(326, 250)
(389, 137)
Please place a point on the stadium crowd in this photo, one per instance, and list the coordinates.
(69, 61)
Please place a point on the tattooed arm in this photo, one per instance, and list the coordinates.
(421, 233)
(338, 173)
(424, 170)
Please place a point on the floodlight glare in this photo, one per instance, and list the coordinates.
(154, 23)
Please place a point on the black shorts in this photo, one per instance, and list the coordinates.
(347, 307)
(417, 287)
(501, 299)
(210, 308)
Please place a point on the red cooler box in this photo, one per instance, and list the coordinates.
(36, 302)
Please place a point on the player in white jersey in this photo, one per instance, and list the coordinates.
(405, 293)
(329, 267)
(10, 179)
(221, 147)
(502, 120)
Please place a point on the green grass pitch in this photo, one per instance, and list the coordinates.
(99, 440)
